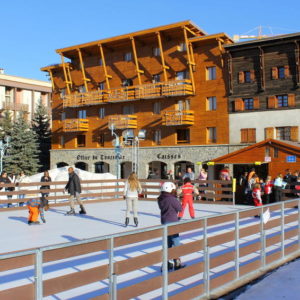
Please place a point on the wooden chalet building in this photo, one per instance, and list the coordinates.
(263, 89)
(164, 85)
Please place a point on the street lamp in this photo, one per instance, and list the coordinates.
(117, 150)
(3, 146)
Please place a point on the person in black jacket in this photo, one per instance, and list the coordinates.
(45, 178)
(74, 189)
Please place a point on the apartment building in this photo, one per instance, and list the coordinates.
(263, 88)
(163, 88)
(18, 94)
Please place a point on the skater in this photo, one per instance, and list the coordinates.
(34, 209)
(44, 206)
(187, 191)
(74, 189)
(256, 195)
(268, 186)
(169, 208)
(132, 189)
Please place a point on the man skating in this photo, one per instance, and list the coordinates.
(74, 189)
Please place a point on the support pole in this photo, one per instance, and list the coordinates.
(82, 70)
(230, 80)
(262, 68)
(138, 71)
(190, 63)
(165, 263)
(107, 77)
(38, 276)
(52, 79)
(65, 74)
(162, 57)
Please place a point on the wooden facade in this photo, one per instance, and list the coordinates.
(160, 77)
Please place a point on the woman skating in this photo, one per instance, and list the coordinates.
(132, 189)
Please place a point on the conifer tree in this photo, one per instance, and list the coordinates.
(22, 154)
(41, 127)
(5, 124)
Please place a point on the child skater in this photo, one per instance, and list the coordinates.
(256, 196)
(34, 209)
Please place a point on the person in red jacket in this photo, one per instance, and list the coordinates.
(268, 186)
(187, 191)
(256, 195)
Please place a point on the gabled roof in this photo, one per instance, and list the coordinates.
(292, 147)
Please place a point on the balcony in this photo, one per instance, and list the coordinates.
(130, 93)
(178, 117)
(15, 106)
(123, 122)
(75, 125)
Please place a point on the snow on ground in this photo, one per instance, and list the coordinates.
(280, 284)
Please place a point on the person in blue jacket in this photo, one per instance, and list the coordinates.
(169, 208)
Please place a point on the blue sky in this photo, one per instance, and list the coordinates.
(31, 30)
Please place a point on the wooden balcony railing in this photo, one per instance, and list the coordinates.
(74, 125)
(178, 117)
(123, 122)
(15, 106)
(135, 92)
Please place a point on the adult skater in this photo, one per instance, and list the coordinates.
(169, 208)
(74, 189)
(132, 189)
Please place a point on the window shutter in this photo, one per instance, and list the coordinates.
(239, 104)
(256, 103)
(244, 135)
(272, 102)
(286, 71)
(291, 100)
(251, 135)
(274, 73)
(252, 75)
(269, 132)
(294, 133)
(241, 77)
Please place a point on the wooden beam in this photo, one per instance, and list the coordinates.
(52, 80)
(107, 77)
(161, 50)
(190, 31)
(262, 67)
(221, 50)
(69, 75)
(297, 61)
(190, 63)
(138, 71)
(230, 79)
(65, 74)
(85, 80)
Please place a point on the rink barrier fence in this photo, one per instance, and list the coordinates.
(250, 248)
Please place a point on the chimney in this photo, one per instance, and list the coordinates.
(1, 71)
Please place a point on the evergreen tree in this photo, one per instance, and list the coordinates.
(5, 124)
(41, 127)
(22, 154)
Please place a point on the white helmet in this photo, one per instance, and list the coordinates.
(168, 187)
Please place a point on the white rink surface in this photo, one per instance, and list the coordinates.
(104, 219)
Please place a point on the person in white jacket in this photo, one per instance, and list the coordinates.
(132, 189)
(22, 179)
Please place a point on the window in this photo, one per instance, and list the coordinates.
(62, 142)
(101, 140)
(211, 134)
(283, 133)
(211, 73)
(275, 152)
(156, 78)
(182, 47)
(157, 137)
(211, 103)
(183, 105)
(102, 85)
(127, 82)
(81, 89)
(182, 75)
(183, 136)
(100, 62)
(282, 101)
(128, 109)
(82, 114)
(80, 141)
(156, 51)
(128, 56)
(248, 135)
(101, 112)
(128, 135)
(156, 108)
(63, 116)
(267, 151)
(248, 103)
(281, 73)
(247, 77)
(62, 93)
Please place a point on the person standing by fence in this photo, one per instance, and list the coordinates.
(74, 189)
(45, 178)
(132, 189)
(169, 208)
(187, 191)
